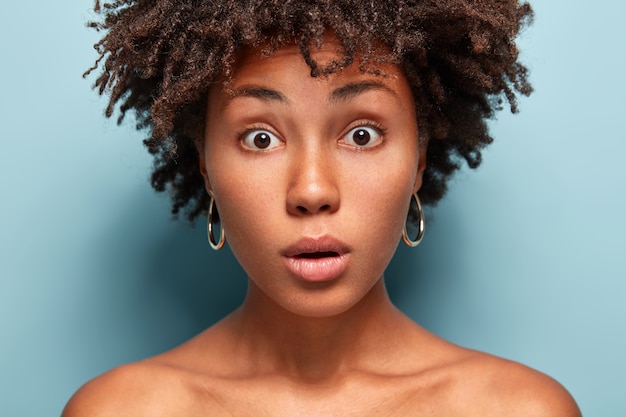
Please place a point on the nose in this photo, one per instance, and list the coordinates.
(313, 184)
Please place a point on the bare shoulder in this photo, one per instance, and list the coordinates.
(503, 387)
(147, 388)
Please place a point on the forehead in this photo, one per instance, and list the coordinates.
(288, 68)
(328, 50)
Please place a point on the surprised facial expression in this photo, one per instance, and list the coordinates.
(312, 177)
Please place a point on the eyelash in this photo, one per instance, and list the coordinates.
(367, 124)
(241, 136)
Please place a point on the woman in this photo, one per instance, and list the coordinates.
(313, 128)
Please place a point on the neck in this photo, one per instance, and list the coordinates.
(314, 348)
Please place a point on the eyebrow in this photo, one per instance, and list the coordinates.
(261, 93)
(340, 94)
(352, 90)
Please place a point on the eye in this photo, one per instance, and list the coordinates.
(364, 136)
(259, 140)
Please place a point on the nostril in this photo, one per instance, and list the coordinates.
(302, 209)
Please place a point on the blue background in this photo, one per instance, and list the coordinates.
(524, 259)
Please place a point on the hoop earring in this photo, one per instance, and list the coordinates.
(209, 222)
(420, 222)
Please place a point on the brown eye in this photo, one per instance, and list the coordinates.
(363, 136)
(260, 140)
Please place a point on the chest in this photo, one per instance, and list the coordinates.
(385, 398)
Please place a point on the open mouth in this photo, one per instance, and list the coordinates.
(317, 266)
(316, 255)
(317, 260)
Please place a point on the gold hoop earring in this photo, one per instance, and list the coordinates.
(209, 222)
(420, 223)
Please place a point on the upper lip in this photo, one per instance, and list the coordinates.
(309, 245)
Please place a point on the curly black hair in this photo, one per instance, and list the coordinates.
(159, 58)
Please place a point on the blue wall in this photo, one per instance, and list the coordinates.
(524, 259)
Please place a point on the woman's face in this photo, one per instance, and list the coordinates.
(312, 177)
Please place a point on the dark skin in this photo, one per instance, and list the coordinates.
(316, 343)
(158, 59)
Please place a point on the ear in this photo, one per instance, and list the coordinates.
(202, 164)
(421, 166)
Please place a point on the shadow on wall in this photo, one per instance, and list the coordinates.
(419, 280)
(158, 282)
(204, 284)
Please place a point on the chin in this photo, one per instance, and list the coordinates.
(323, 304)
(315, 312)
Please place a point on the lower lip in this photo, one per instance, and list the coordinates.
(317, 269)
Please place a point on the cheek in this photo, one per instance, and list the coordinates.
(246, 199)
(394, 209)
(383, 198)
